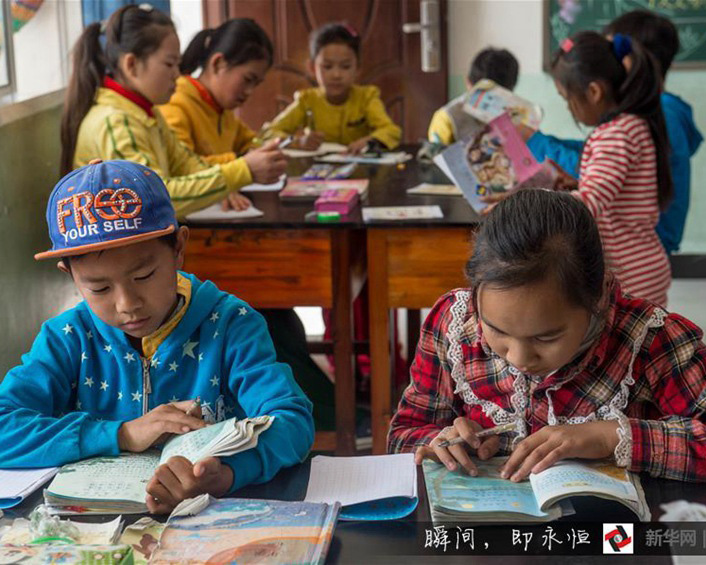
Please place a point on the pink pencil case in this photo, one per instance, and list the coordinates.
(341, 200)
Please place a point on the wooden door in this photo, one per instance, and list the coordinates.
(390, 59)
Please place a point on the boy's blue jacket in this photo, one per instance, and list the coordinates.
(684, 139)
(82, 379)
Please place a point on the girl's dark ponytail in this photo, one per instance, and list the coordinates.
(588, 56)
(131, 29)
(88, 71)
(239, 40)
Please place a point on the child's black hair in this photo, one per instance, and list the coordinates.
(535, 234)
(338, 32)
(131, 29)
(239, 40)
(498, 65)
(169, 239)
(656, 33)
(589, 57)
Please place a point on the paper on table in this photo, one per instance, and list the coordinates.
(215, 212)
(274, 187)
(391, 158)
(350, 480)
(436, 189)
(325, 147)
(15, 484)
(402, 213)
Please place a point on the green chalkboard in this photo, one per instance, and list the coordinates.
(565, 17)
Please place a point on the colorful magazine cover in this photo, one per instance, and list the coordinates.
(487, 100)
(496, 159)
(236, 530)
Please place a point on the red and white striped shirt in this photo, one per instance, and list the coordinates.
(618, 183)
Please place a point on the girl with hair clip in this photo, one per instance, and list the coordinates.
(109, 113)
(339, 110)
(545, 344)
(624, 177)
(233, 59)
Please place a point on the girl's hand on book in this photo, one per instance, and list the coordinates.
(178, 479)
(308, 140)
(236, 201)
(534, 454)
(454, 455)
(155, 426)
(266, 163)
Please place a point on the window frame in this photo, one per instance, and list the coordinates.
(9, 88)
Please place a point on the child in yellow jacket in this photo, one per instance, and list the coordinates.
(338, 110)
(110, 113)
(451, 122)
(233, 59)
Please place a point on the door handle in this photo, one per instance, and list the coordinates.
(428, 28)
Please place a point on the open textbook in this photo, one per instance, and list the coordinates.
(495, 159)
(109, 485)
(457, 497)
(487, 100)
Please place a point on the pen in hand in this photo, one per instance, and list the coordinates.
(195, 407)
(503, 428)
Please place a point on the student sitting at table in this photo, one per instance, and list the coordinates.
(338, 110)
(451, 122)
(120, 371)
(110, 114)
(544, 339)
(660, 37)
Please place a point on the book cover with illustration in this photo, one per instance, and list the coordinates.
(488, 100)
(495, 159)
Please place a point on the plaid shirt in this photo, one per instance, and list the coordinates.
(646, 369)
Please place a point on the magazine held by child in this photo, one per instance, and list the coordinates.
(495, 159)
(488, 100)
(109, 485)
(457, 497)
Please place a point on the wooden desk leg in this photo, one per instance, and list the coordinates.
(343, 341)
(380, 340)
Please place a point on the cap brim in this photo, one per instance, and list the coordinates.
(91, 247)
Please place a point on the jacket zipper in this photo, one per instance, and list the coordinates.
(146, 385)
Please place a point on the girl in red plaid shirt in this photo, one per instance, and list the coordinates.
(545, 340)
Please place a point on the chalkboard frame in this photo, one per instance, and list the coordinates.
(547, 51)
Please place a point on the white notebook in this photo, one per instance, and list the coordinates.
(16, 484)
(215, 212)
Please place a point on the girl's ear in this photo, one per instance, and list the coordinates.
(310, 68)
(595, 92)
(217, 63)
(128, 65)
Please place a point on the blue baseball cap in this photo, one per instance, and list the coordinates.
(104, 205)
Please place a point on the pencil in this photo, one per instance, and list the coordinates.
(194, 406)
(503, 428)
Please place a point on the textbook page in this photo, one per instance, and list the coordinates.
(16, 484)
(257, 187)
(351, 480)
(325, 147)
(216, 212)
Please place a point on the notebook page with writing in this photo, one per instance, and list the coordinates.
(352, 480)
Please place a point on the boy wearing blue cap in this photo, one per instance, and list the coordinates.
(122, 369)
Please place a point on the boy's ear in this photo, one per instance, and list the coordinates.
(180, 249)
(62, 267)
(310, 68)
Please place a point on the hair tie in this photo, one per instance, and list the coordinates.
(104, 26)
(350, 29)
(622, 46)
(146, 7)
(567, 45)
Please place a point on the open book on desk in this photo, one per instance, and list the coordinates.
(457, 497)
(371, 487)
(110, 485)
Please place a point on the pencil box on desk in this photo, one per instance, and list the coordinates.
(337, 200)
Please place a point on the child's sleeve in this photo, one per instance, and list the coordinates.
(440, 128)
(564, 152)
(262, 386)
(192, 183)
(427, 404)
(673, 446)
(288, 121)
(383, 128)
(605, 172)
(40, 424)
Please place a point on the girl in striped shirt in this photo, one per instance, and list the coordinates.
(614, 84)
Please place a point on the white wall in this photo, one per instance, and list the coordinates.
(517, 25)
(188, 19)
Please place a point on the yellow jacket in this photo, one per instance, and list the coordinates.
(362, 114)
(117, 128)
(217, 135)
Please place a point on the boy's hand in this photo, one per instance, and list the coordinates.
(178, 479)
(457, 454)
(236, 201)
(267, 163)
(534, 454)
(358, 145)
(154, 427)
(308, 140)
